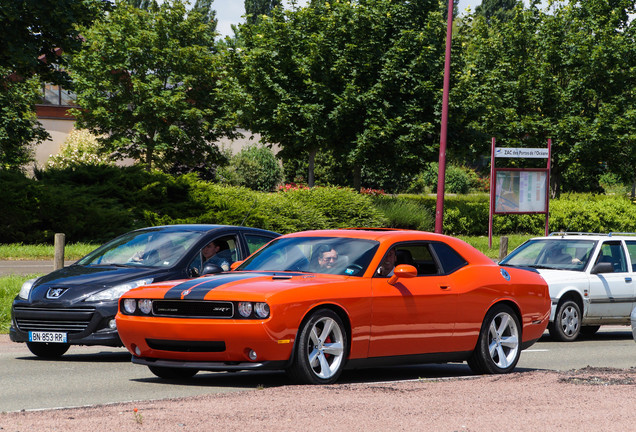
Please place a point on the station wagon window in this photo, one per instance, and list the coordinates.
(631, 248)
(612, 252)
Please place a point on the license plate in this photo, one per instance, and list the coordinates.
(49, 337)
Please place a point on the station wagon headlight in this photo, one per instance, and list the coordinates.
(117, 291)
(26, 288)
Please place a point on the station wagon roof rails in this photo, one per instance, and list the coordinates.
(610, 234)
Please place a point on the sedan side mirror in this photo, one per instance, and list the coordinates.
(603, 267)
(211, 269)
(402, 271)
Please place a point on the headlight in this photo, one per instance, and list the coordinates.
(145, 306)
(115, 292)
(245, 309)
(130, 306)
(261, 310)
(26, 288)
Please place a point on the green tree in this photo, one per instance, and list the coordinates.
(19, 129)
(566, 75)
(35, 32)
(255, 8)
(149, 83)
(499, 9)
(340, 78)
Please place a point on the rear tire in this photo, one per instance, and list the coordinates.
(172, 373)
(499, 344)
(48, 350)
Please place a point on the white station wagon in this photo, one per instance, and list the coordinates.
(591, 279)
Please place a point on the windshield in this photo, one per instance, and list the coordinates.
(331, 255)
(148, 248)
(557, 253)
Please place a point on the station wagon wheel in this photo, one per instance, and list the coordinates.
(172, 373)
(567, 322)
(320, 349)
(48, 350)
(499, 344)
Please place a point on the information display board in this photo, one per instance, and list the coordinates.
(520, 191)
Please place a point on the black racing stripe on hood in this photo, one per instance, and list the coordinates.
(198, 288)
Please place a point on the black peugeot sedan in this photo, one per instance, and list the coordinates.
(76, 305)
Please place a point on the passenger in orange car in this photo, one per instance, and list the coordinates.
(388, 264)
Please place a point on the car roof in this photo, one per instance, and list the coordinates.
(390, 235)
(588, 236)
(204, 228)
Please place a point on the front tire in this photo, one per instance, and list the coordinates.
(321, 349)
(499, 344)
(567, 322)
(48, 350)
(172, 373)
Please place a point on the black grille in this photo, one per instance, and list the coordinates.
(69, 320)
(186, 346)
(193, 309)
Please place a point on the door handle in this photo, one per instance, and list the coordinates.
(444, 287)
(628, 279)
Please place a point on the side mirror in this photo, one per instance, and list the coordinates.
(235, 264)
(603, 267)
(402, 271)
(211, 269)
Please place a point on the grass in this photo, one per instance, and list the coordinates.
(19, 251)
(10, 285)
(9, 288)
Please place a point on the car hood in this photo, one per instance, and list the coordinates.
(228, 285)
(562, 276)
(84, 280)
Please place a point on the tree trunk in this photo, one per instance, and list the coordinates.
(149, 159)
(357, 177)
(634, 188)
(310, 174)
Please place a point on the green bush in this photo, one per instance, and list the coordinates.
(253, 167)
(404, 213)
(459, 180)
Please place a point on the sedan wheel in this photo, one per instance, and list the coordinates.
(320, 350)
(567, 322)
(48, 350)
(499, 344)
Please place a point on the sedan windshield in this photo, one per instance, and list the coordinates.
(150, 248)
(557, 253)
(332, 255)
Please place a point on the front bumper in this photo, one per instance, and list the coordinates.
(86, 325)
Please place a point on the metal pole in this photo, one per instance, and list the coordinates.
(439, 210)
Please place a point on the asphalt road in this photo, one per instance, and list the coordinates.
(100, 375)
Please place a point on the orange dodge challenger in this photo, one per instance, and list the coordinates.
(316, 302)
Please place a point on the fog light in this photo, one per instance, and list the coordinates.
(112, 324)
(252, 355)
(136, 350)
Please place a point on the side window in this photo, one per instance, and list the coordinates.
(631, 248)
(612, 252)
(222, 251)
(254, 242)
(448, 257)
(419, 256)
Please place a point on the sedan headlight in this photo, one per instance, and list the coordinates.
(26, 288)
(118, 290)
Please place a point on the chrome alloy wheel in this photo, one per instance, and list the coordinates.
(503, 340)
(325, 349)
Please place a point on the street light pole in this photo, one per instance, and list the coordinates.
(441, 175)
